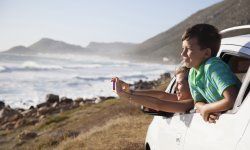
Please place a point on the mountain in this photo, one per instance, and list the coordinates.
(167, 44)
(19, 50)
(46, 45)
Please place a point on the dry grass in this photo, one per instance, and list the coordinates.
(112, 124)
(122, 133)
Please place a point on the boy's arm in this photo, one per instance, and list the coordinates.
(157, 94)
(153, 93)
(157, 104)
(227, 103)
(198, 106)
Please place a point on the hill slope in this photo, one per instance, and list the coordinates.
(168, 44)
(46, 45)
(112, 124)
(50, 46)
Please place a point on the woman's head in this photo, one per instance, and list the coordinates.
(182, 87)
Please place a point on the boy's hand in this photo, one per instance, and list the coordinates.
(198, 106)
(207, 115)
(204, 111)
(213, 117)
(125, 86)
(118, 87)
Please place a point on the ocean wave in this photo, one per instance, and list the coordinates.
(129, 77)
(35, 66)
(84, 66)
(85, 58)
(92, 78)
(29, 66)
(125, 77)
(2, 69)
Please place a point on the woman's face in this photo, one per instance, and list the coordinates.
(182, 87)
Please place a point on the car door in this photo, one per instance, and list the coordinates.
(229, 129)
(171, 130)
(225, 134)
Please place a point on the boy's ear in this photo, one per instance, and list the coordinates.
(208, 53)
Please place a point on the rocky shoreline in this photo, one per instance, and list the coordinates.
(14, 118)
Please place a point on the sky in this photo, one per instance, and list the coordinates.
(24, 22)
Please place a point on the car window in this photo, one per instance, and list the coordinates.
(238, 64)
(240, 67)
(244, 91)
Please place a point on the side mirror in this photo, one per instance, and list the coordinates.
(153, 112)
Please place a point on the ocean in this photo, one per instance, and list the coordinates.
(25, 80)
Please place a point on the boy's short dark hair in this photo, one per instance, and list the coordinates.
(207, 35)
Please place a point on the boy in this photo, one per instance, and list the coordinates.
(213, 86)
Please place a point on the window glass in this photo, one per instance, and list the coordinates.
(239, 65)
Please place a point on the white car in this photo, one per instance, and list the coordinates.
(188, 131)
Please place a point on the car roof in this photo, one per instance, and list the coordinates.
(236, 44)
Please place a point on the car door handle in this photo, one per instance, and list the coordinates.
(178, 138)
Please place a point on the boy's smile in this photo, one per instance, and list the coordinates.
(192, 54)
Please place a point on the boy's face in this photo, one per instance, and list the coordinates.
(192, 54)
(182, 88)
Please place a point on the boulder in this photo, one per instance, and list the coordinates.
(31, 121)
(76, 104)
(45, 110)
(66, 107)
(55, 104)
(65, 100)
(82, 103)
(7, 115)
(103, 98)
(7, 126)
(51, 98)
(78, 100)
(25, 122)
(90, 101)
(20, 123)
(42, 105)
(42, 117)
(29, 113)
(20, 110)
(165, 76)
(32, 107)
(2, 104)
(26, 135)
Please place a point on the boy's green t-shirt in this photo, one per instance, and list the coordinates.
(208, 83)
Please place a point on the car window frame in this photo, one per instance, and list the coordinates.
(245, 82)
(240, 97)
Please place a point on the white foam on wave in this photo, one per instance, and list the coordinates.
(34, 65)
(84, 66)
(91, 58)
(2, 68)
(92, 78)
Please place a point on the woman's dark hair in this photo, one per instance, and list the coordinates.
(207, 35)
